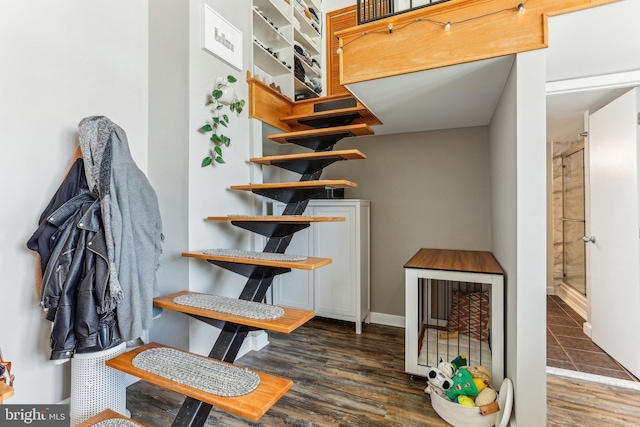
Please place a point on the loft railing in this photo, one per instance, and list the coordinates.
(372, 10)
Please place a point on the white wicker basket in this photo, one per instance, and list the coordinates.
(464, 416)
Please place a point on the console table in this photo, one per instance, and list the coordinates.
(457, 266)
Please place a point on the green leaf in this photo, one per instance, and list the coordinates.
(209, 102)
(205, 128)
(215, 138)
(219, 107)
(226, 141)
(216, 93)
(232, 107)
(206, 161)
(231, 79)
(225, 118)
(218, 151)
(242, 102)
(224, 124)
(219, 159)
(216, 120)
(239, 110)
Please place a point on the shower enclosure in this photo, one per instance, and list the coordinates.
(573, 219)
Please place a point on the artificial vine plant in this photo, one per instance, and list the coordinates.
(219, 100)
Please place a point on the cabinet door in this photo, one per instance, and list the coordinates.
(335, 284)
(295, 289)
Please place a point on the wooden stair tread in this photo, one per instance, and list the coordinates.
(367, 117)
(335, 183)
(107, 414)
(359, 129)
(252, 405)
(290, 321)
(278, 219)
(309, 264)
(343, 154)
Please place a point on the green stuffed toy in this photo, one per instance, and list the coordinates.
(463, 385)
(458, 362)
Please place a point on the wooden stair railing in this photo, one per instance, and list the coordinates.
(317, 125)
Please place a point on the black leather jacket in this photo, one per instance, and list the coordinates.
(76, 279)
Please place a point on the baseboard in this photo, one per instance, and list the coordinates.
(387, 319)
(586, 328)
(574, 299)
(255, 341)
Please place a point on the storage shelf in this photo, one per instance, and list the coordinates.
(268, 62)
(272, 12)
(305, 23)
(273, 30)
(307, 68)
(267, 34)
(300, 87)
(299, 36)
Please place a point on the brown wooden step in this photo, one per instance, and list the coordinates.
(290, 321)
(359, 129)
(342, 154)
(107, 414)
(337, 183)
(279, 219)
(303, 112)
(252, 405)
(309, 264)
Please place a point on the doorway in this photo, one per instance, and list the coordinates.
(569, 310)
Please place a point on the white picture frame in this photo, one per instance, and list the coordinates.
(221, 39)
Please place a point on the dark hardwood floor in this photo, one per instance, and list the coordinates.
(342, 379)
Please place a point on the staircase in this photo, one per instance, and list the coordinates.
(331, 120)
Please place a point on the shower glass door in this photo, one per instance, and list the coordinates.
(573, 220)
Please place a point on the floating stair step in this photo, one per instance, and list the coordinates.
(290, 320)
(275, 226)
(252, 405)
(310, 263)
(294, 192)
(299, 120)
(108, 414)
(309, 163)
(321, 139)
(278, 219)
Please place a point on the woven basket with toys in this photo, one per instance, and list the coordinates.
(463, 397)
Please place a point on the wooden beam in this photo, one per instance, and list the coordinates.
(480, 29)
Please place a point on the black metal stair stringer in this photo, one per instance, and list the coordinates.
(194, 413)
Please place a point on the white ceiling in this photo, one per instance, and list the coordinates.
(461, 95)
(466, 95)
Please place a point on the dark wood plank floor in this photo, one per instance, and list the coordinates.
(342, 379)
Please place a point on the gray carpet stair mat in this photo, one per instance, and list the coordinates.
(116, 422)
(266, 256)
(237, 307)
(207, 375)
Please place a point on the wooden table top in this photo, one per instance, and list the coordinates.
(455, 260)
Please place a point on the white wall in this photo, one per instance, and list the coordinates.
(596, 41)
(427, 190)
(169, 154)
(518, 184)
(209, 192)
(61, 61)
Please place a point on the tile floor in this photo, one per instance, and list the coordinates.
(569, 348)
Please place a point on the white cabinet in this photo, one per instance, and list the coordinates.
(339, 290)
(284, 32)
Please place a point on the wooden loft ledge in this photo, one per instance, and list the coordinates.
(419, 40)
(270, 106)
